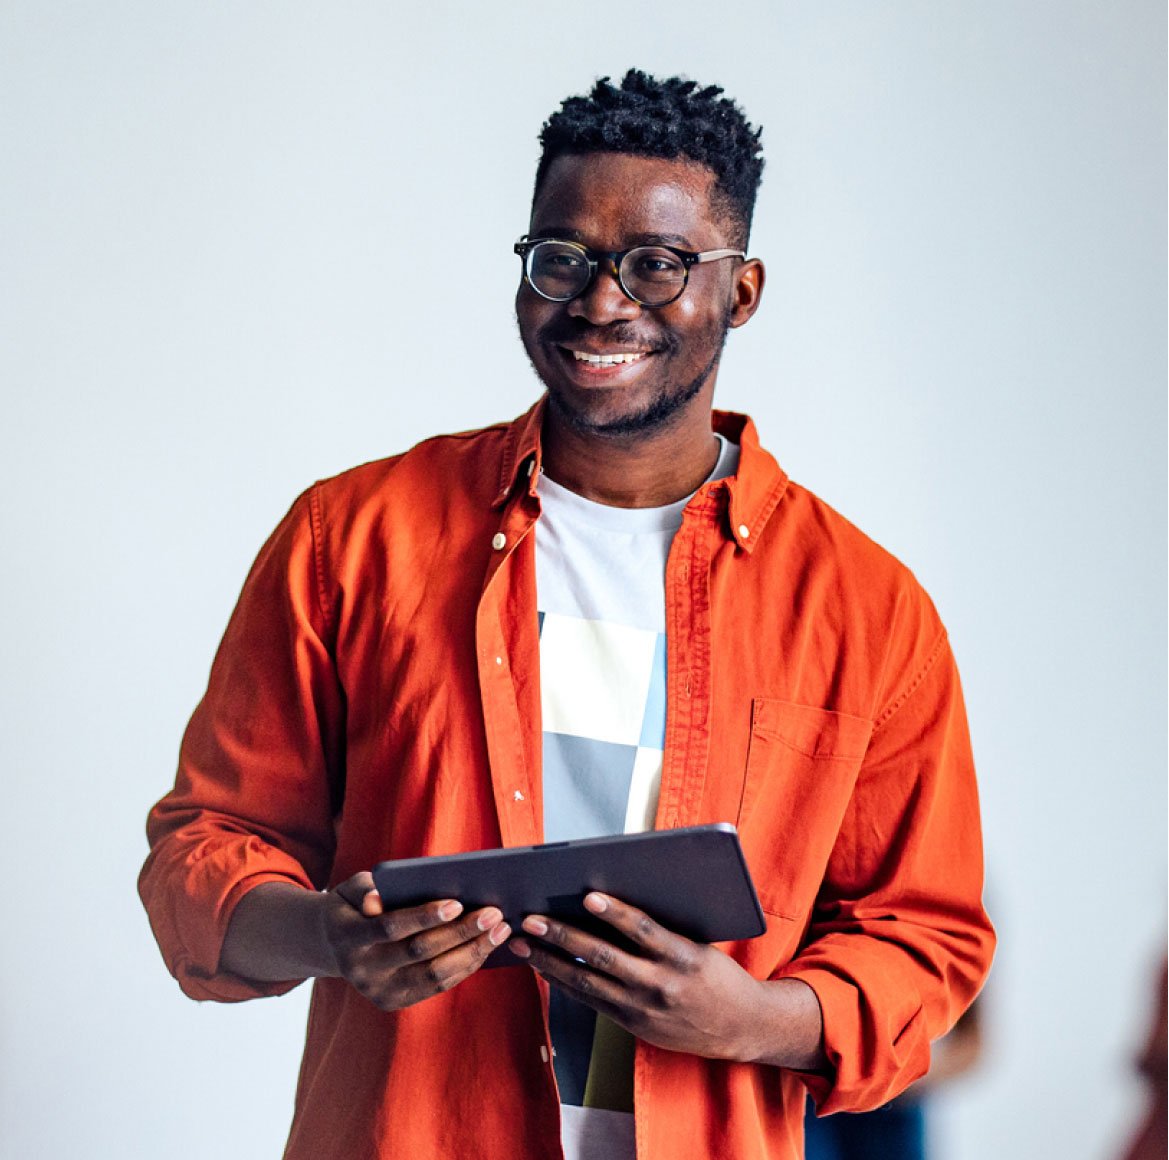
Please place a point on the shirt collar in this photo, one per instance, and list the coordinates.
(757, 487)
(521, 452)
(753, 492)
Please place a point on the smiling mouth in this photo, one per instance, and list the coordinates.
(608, 360)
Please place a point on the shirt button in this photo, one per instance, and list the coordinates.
(744, 531)
(499, 541)
(543, 1053)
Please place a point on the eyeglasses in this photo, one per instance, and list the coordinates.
(649, 275)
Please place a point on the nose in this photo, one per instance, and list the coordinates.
(603, 300)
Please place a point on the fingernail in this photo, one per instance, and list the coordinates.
(536, 926)
(520, 949)
(597, 903)
(450, 910)
(499, 934)
(489, 918)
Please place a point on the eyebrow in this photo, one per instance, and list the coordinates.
(563, 233)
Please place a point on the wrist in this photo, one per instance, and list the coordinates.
(277, 933)
(785, 1027)
(328, 964)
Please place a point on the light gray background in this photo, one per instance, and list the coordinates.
(224, 272)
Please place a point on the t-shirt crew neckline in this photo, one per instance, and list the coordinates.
(607, 517)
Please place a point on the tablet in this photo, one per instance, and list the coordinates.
(694, 881)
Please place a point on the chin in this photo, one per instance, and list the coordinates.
(624, 418)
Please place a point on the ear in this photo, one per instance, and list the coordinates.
(748, 289)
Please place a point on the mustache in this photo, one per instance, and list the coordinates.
(566, 330)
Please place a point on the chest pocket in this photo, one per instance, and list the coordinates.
(802, 764)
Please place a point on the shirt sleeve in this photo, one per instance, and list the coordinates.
(260, 768)
(899, 943)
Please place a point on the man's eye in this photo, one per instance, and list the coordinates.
(559, 264)
(661, 267)
(563, 261)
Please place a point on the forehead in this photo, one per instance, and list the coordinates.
(612, 200)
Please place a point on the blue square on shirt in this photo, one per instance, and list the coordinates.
(653, 725)
(586, 786)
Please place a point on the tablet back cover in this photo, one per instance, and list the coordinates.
(693, 881)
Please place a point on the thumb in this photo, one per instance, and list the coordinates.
(360, 892)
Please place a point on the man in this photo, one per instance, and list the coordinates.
(612, 614)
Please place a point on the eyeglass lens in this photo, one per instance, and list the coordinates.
(650, 274)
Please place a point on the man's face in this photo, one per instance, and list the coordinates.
(613, 201)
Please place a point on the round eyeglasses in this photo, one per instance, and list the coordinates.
(650, 275)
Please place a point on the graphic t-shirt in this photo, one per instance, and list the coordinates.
(600, 585)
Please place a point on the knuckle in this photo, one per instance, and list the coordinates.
(557, 934)
(603, 957)
(415, 949)
(663, 995)
(644, 927)
(635, 1021)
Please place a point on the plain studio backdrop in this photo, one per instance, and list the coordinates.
(245, 246)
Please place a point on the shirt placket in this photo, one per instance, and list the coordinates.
(688, 667)
(506, 715)
(506, 720)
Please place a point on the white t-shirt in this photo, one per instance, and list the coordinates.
(600, 595)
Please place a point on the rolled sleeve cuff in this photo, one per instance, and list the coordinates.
(866, 1068)
(192, 920)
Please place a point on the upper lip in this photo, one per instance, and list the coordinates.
(581, 348)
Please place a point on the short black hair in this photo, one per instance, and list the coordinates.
(674, 118)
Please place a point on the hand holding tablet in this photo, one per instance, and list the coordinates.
(693, 882)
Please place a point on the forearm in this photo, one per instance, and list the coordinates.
(786, 1029)
(277, 933)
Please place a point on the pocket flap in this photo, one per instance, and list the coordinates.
(818, 733)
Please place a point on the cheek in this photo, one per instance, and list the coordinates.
(699, 310)
(699, 327)
(529, 316)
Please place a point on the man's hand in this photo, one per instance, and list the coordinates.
(281, 932)
(676, 993)
(400, 957)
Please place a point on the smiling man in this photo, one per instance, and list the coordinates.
(614, 613)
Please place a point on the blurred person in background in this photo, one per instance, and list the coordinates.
(897, 1130)
(1151, 1139)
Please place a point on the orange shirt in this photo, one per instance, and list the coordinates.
(376, 696)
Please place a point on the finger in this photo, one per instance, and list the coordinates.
(398, 925)
(429, 944)
(597, 952)
(601, 992)
(450, 968)
(641, 930)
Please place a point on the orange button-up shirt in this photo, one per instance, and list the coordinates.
(377, 695)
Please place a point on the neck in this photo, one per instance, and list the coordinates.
(631, 471)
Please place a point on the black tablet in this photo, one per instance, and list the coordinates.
(694, 881)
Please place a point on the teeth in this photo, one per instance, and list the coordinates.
(607, 360)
